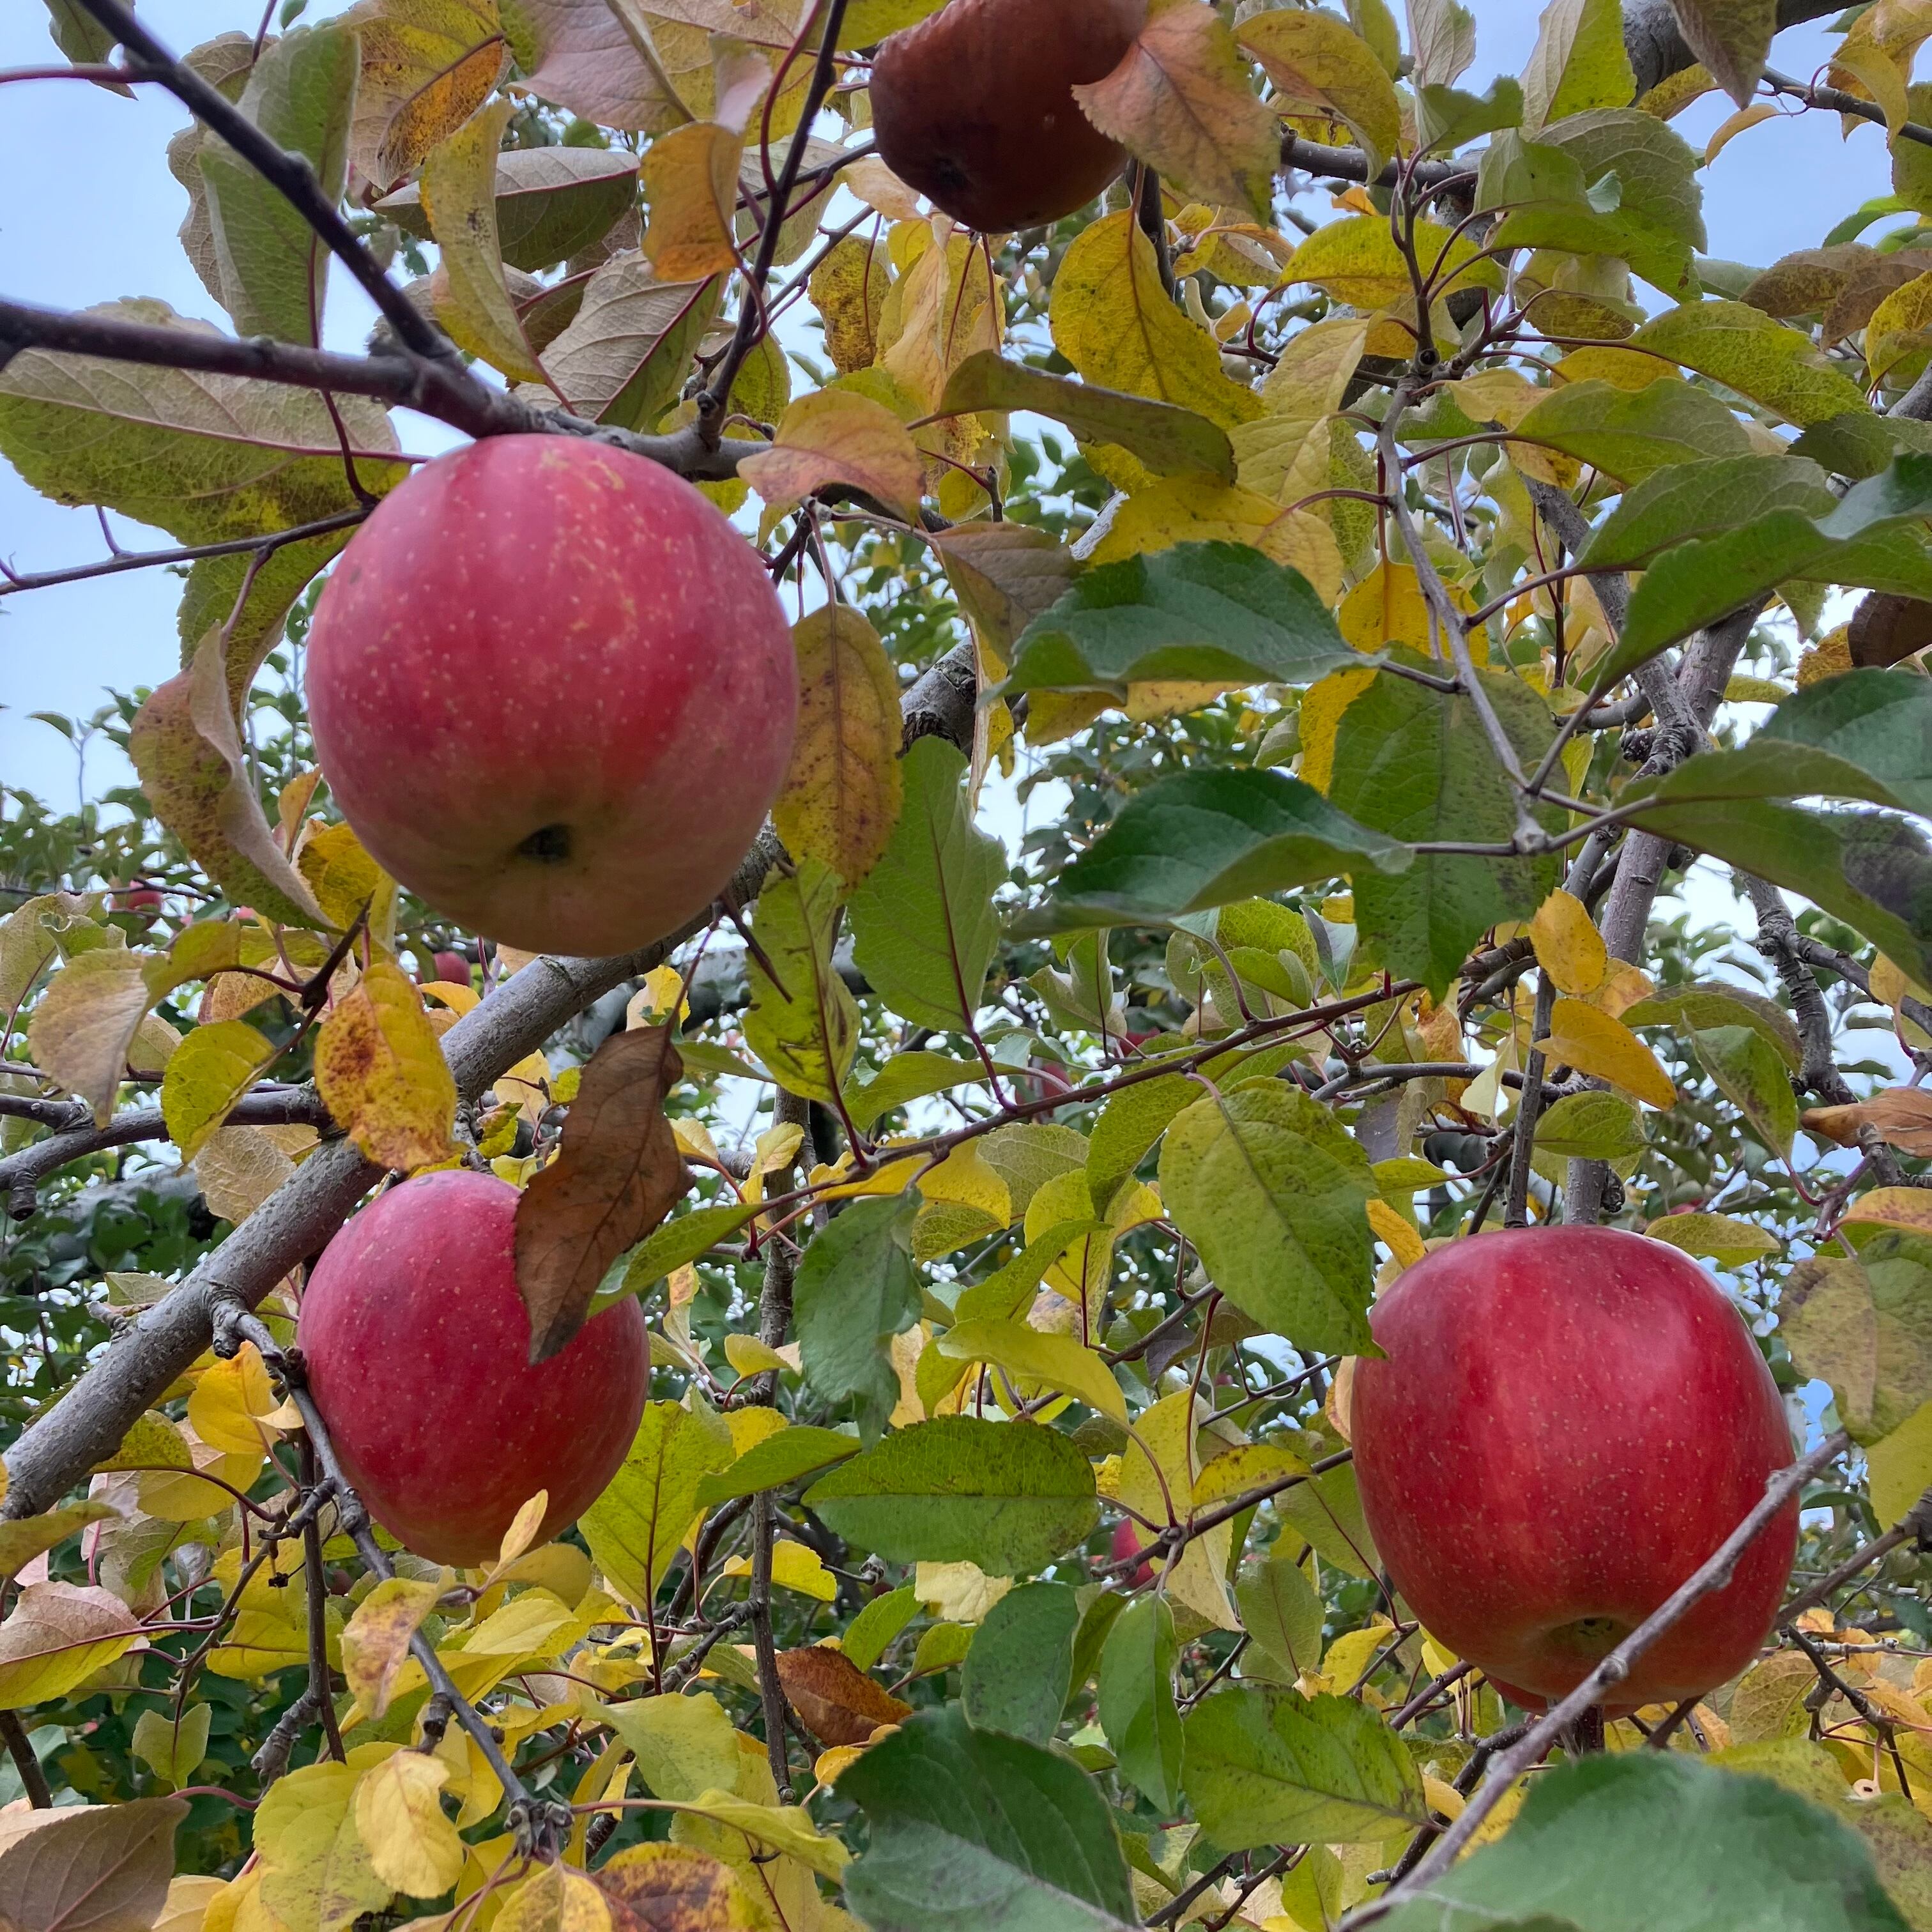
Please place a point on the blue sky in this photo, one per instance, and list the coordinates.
(94, 214)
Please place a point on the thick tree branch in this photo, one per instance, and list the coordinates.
(402, 381)
(298, 1220)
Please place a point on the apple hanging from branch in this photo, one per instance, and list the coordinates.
(974, 107)
(417, 1344)
(554, 692)
(1568, 1422)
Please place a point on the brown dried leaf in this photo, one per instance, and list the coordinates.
(619, 1173)
(843, 791)
(1903, 1115)
(88, 1868)
(1004, 575)
(668, 1888)
(187, 751)
(835, 1700)
(834, 436)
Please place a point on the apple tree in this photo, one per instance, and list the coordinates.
(622, 1315)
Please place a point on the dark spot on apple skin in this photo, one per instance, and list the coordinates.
(1591, 1636)
(548, 844)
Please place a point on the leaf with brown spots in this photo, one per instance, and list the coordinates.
(381, 1072)
(619, 1173)
(834, 1699)
(842, 794)
(186, 747)
(667, 1888)
(427, 65)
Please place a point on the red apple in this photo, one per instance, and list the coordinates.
(451, 969)
(417, 1347)
(1127, 1543)
(143, 901)
(1568, 1423)
(553, 690)
(974, 107)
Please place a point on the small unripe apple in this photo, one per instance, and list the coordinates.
(974, 107)
(554, 692)
(1567, 1422)
(417, 1349)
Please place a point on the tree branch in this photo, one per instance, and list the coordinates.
(297, 1221)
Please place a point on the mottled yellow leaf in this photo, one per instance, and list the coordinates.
(1592, 1042)
(382, 1075)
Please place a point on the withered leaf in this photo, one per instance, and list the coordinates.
(1903, 1115)
(619, 1173)
(834, 1699)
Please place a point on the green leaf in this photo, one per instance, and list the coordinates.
(1702, 499)
(628, 349)
(1865, 1325)
(1632, 433)
(781, 1457)
(907, 1076)
(271, 265)
(870, 1633)
(1880, 720)
(186, 746)
(1449, 116)
(1008, 1496)
(1129, 1124)
(803, 1024)
(1282, 1613)
(1201, 837)
(1016, 1676)
(1750, 1075)
(1213, 612)
(1712, 1003)
(857, 1288)
(1274, 1194)
(1731, 39)
(1716, 1237)
(1578, 62)
(1267, 1766)
(634, 1528)
(1169, 439)
(1136, 1700)
(211, 1070)
(970, 1830)
(1326, 1511)
(1008, 1293)
(1747, 350)
(1416, 764)
(1653, 1841)
(173, 1750)
(1866, 538)
(1872, 870)
(669, 1247)
(924, 931)
(551, 203)
(1591, 1126)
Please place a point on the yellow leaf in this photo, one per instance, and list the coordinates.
(1901, 1466)
(382, 1073)
(1319, 66)
(1114, 322)
(1322, 705)
(1395, 1234)
(794, 1568)
(189, 1899)
(1387, 607)
(459, 197)
(228, 1402)
(1745, 117)
(399, 1817)
(427, 66)
(1592, 1042)
(690, 182)
(554, 1899)
(84, 1023)
(1569, 947)
(376, 1641)
(1284, 455)
(784, 1828)
(848, 289)
(522, 1532)
(1158, 1469)
(843, 791)
(1356, 261)
(1899, 334)
(1029, 1357)
(317, 1875)
(836, 437)
(210, 1071)
(1182, 99)
(750, 1357)
(347, 882)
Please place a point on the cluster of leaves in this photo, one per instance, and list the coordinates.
(1081, 1174)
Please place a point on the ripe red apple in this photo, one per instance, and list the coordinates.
(142, 902)
(553, 690)
(1568, 1423)
(974, 107)
(417, 1347)
(451, 969)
